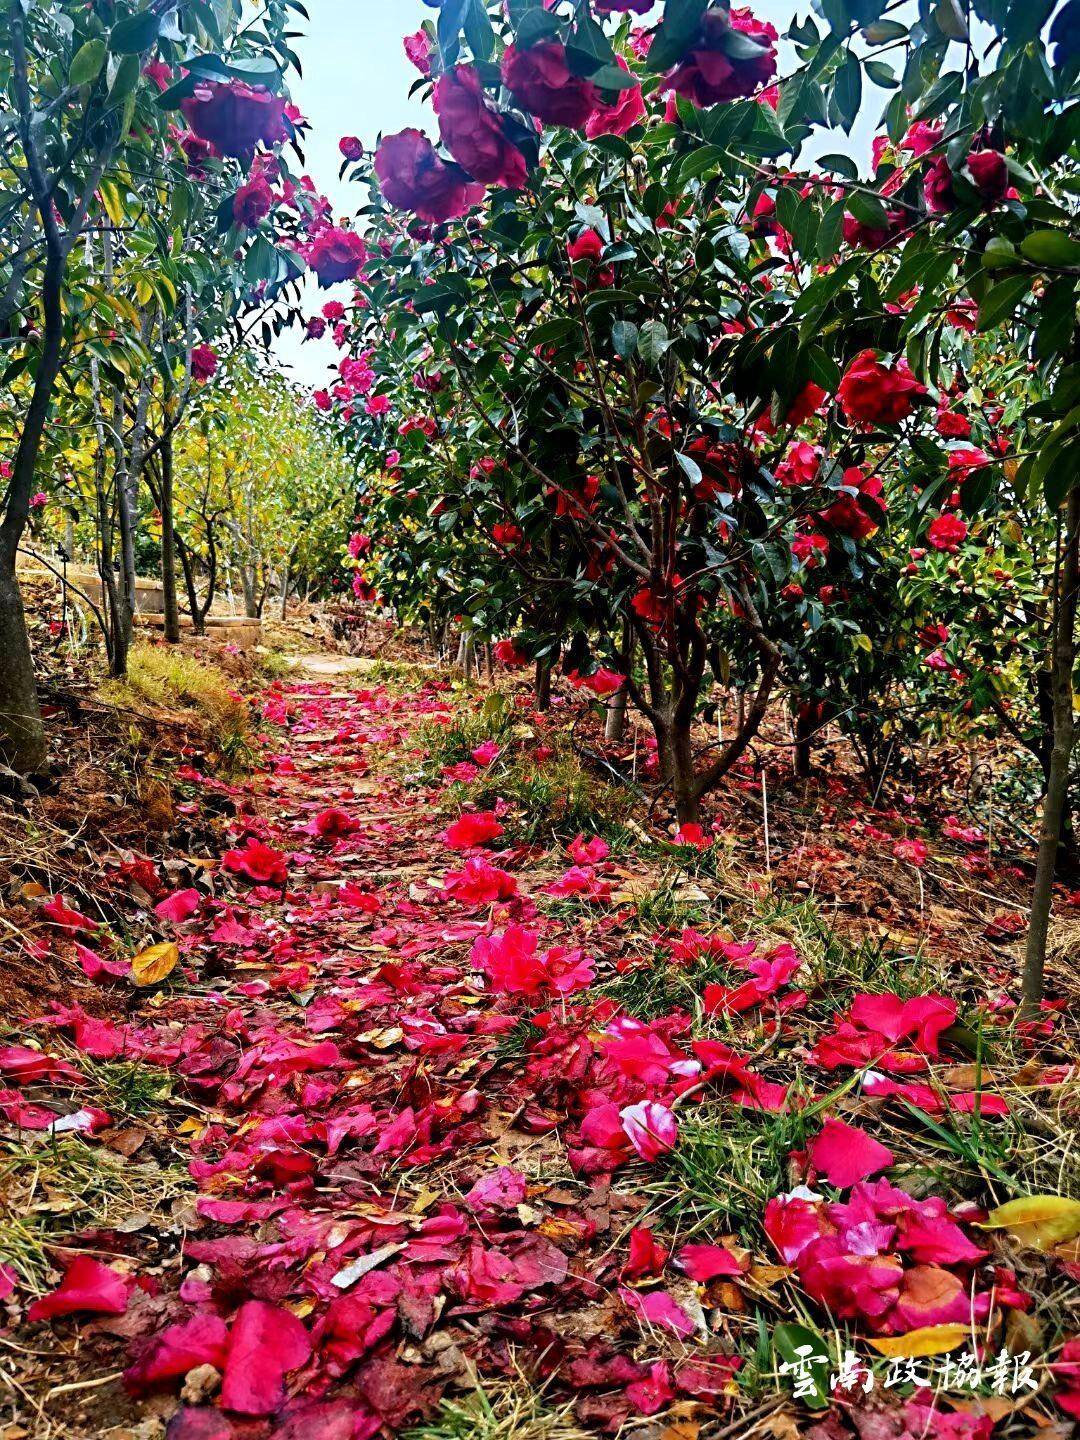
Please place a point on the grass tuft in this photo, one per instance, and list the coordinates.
(170, 679)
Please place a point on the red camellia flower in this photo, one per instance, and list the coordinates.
(873, 237)
(507, 653)
(986, 170)
(252, 202)
(259, 862)
(474, 133)
(335, 255)
(733, 55)
(589, 245)
(872, 392)
(204, 362)
(414, 178)
(847, 513)
(947, 533)
(234, 117)
(540, 79)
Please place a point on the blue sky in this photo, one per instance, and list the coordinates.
(356, 81)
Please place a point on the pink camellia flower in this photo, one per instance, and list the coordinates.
(947, 533)
(651, 1129)
(541, 81)
(351, 147)
(414, 178)
(716, 67)
(588, 852)
(878, 394)
(626, 111)
(800, 465)
(705, 1262)
(322, 401)
(333, 311)
(418, 51)
(487, 753)
(234, 118)
(640, 1051)
(252, 202)
(335, 255)
(204, 362)
(965, 460)
(39, 500)
(474, 133)
(479, 882)
(258, 862)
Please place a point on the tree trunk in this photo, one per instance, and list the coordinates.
(187, 565)
(615, 725)
(168, 544)
(22, 734)
(805, 723)
(542, 689)
(1056, 798)
(684, 782)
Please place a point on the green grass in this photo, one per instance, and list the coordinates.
(500, 1410)
(170, 679)
(53, 1187)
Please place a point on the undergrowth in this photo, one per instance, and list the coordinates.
(171, 679)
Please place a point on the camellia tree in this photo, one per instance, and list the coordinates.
(151, 211)
(666, 369)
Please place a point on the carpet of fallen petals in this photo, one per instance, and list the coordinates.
(430, 1149)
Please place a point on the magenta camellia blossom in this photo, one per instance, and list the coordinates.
(623, 7)
(474, 133)
(843, 1154)
(733, 55)
(234, 117)
(204, 362)
(88, 1287)
(335, 255)
(650, 1127)
(253, 202)
(418, 51)
(986, 171)
(414, 178)
(540, 80)
(351, 147)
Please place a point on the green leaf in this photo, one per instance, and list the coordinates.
(86, 66)
(1002, 300)
(682, 19)
(134, 34)
(799, 1347)
(624, 338)
(1000, 253)
(1051, 247)
(653, 341)
(690, 468)
(847, 92)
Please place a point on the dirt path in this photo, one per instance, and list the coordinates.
(424, 1152)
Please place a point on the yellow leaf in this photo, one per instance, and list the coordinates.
(930, 1340)
(152, 966)
(1037, 1220)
